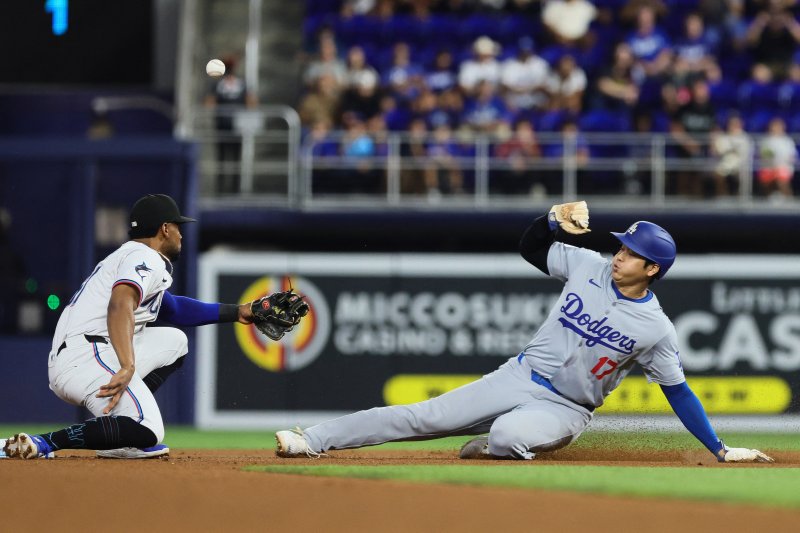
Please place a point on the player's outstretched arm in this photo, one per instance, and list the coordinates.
(187, 312)
(690, 411)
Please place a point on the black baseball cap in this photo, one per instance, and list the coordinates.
(149, 212)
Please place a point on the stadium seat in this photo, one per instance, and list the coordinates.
(552, 120)
(323, 7)
(723, 94)
(753, 97)
(604, 121)
(512, 27)
(789, 96)
(757, 121)
(477, 25)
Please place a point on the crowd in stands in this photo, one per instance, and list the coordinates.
(694, 69)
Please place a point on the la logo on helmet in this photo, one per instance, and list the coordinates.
(633, 228)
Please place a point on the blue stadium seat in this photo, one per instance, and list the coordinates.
(476, 25)
(552, 120)
(322, 7)
(604, 121)
(757, 121)
(512, 27)
(312, 25)
(793, 125)
(357, 30)
(723, 94)
(789, 96)
(754, 97)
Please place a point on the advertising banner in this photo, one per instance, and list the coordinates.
(400, 328)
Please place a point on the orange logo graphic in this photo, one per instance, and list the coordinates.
(299, 347)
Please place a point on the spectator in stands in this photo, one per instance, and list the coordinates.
(320, 104)
(619, 84)
(328, 63)
(735, 26)
(524, 78)
(572, 150)
(486, 110)
(566, 86)
(357, 68)
(443, 174)
(693, 59)
(694, 52)
(396, 117)
(568, 20)
(412, 177)
(449, 109)
(425, 105)
(631, 9)
(358, 148)
(323, 145)
(690, 125)
(442, 76)
(732, 149)
(226, 95)
(519, 153)
(650, 46)
(773, 35)
(757, 94)
(403, 77)
(777, 155)
(483, 68)
(364, 98)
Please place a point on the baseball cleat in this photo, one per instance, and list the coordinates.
(153, 452)
(24, 446)
(292, 443)
(477, 448)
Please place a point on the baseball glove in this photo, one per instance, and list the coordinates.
(278, 313)
(573, 217)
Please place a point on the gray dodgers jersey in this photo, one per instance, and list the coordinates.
(594, 334)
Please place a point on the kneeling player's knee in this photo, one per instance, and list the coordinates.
(156, 425)
(181, 341)
(504, 442)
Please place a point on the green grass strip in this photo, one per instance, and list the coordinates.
(768, 486)
(189, 437)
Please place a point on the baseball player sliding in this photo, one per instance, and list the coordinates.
(104, 357)
(606, 320)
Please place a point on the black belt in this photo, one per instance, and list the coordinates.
(544, 382)
(89, 338)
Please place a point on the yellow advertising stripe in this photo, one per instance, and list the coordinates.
(719, 394)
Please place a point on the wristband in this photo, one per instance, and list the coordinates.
(228, 313)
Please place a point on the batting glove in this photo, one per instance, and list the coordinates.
(572, 217)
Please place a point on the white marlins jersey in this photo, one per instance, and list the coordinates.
(134, 264)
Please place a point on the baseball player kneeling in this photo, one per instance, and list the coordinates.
(103, 356)
(606, 319)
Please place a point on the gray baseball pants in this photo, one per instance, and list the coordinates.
(522, 417)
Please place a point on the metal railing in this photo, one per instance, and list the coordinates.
(404, 169)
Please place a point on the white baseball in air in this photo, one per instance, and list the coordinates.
(215, 68)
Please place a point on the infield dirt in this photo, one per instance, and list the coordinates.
(207, 490)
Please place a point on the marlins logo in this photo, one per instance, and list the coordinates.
(142, 270)
(299, 347)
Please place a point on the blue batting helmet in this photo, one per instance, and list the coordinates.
(652, 242)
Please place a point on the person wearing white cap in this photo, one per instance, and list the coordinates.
(569, 20)
(484, 67)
